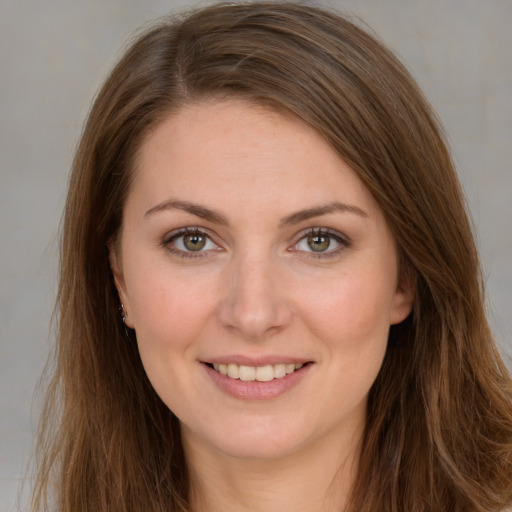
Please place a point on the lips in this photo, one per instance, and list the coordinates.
(256, 379)
(264, 373)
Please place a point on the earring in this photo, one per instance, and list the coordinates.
(123, 312)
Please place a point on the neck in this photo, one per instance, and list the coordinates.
(312, 480)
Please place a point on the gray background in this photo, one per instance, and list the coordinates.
(54, 55)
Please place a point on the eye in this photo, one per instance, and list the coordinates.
(189, 241)
(320, 242)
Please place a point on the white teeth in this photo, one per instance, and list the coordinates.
(279, 371)
(233, 371)
(247, 373)
(264, 373)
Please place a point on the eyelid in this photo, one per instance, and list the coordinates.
(177, 233)
(342, 239)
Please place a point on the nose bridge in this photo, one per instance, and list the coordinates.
(255, 302)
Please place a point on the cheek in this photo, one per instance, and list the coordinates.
(168, 309)
(350, 311)
(169, 314)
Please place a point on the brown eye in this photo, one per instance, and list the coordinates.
(319, 243)
(194, 241)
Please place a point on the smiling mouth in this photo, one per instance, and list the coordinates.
(264, 373)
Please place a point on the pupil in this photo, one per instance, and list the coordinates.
(318, 243)
(194, 242)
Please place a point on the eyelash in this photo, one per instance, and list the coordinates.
(322, 232)
(311, 232)
(175, 235)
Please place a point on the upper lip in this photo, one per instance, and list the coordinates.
(256, 361)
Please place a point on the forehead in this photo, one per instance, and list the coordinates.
(235, 150)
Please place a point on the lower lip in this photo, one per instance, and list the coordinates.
(256, 390)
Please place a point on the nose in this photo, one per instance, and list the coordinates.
(254, 301)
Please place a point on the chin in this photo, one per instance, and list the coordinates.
(257, 438)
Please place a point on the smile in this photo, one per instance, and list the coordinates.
(264, 373)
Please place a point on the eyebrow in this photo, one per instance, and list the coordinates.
(318, 211)
(194, 209)
(218, 218)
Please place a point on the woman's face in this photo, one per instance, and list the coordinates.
(249, 247)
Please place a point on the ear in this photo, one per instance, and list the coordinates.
(404, 296)
(117, 272)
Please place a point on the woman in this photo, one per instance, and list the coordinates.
(270, 295)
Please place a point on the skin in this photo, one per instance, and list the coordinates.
(257, 290)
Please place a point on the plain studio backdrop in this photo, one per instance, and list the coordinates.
(54, 56)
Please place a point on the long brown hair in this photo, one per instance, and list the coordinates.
(439, 430)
